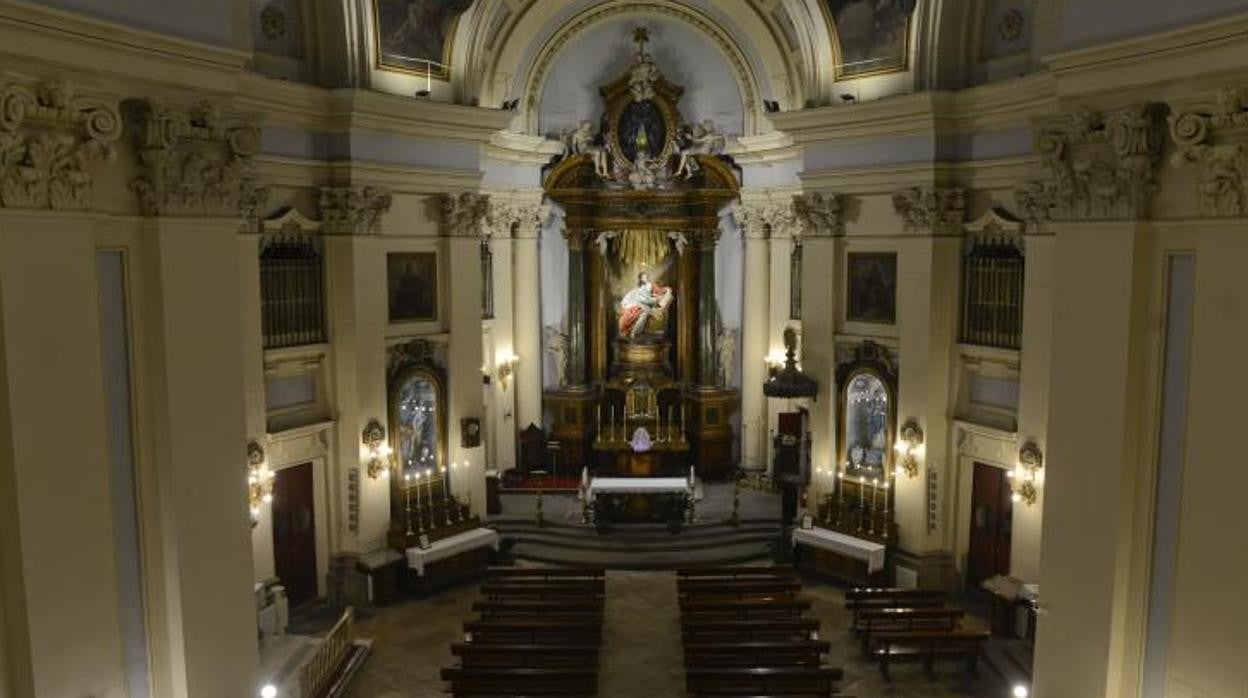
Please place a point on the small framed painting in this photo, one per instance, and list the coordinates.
(412, 280)
(872, 281)
(470, 432)
(415, 36)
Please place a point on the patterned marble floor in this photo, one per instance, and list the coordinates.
(641, 651)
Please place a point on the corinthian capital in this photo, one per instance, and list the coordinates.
(819, 214)
(1213, 135)
(354, 210)
(50, 142)
(504, 218)
(935, 210)
(764, 218)
(464, 214)
(1096, 165)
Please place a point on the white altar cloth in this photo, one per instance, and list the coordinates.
(458, 543)
(856, 548)
(637, 485)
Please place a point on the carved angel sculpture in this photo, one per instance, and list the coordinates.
(699, 139)
(557, 347)
(583, 141)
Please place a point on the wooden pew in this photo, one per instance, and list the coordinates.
(754, 681)
(908, 619)
(720, 588)
(893, 595)
(698, 610)
(569, 608)
(541, 592)
(539, 574)
(741, 572)
(790, 653)
(928, 646)
(776, 597)
(536, 632)
(472, 655)
(766, 630)
(521, 681)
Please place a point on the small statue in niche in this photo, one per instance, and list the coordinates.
(557, 347)
(643, 302)
(698, 139)
(582, 140)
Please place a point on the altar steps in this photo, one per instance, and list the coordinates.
(640, 546)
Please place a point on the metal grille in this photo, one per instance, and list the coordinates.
(292, 292)
(992, 295)
(487, 281)
(795, 283)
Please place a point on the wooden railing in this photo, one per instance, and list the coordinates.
(317, 674)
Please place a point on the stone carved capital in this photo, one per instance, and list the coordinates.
(819, 214)
(505, 219)
(1214, 136)
(354, 210)
(465, 214)
(196, 160)
(50, 141)
(1096, 165)
(935, 210)
(760, 220)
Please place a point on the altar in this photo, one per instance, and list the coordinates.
(640, 391)
(612, 500)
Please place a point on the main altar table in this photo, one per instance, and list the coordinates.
(867, 556)
(640, 499)
(637, 485)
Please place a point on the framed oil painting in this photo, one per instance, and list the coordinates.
(412, 279)
(872, 36)
(872, 280)
(410, 33)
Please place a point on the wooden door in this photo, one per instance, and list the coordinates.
(991, 517)
(294, 533)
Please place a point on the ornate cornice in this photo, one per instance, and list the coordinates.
(1214, 135)
(819, 214)
(465, 214)
(50, 139)
(934, 210)
(1097, 166)
(196, 161)
(354, 210)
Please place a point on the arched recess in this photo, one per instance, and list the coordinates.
(530, 44)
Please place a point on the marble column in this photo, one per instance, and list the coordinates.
(754, 327)
(527, 324)
(577, 331)
(708, 315)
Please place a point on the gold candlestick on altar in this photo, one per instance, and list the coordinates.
(671, 429)
(611, 423)
(407, 490)
(420, 522)
(598, 431)
(682, 423)
(446, 493)
(875, 487)
(429, 477)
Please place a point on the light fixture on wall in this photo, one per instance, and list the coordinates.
(775, 363)
(910, 446)
(1024, 476)
(374, 438)
(506, 367)
(259, 480)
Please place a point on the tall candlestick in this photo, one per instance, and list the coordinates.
(420, 522)
(612, 422)
(874, 488)
(682, 423)
(429, 477)
(862, 492)
(407, 490)
(598, 432)
(840, 488)
(671, 428)
(446, 493)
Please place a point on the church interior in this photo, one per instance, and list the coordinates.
(623, 348)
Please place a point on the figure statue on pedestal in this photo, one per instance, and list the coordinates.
(698, 139)
(645, 301)
(584, 141)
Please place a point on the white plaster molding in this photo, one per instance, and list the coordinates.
(464, 215)
(937, 211)
(196, 160)
(354, 210)
(1214, 136)
(819, 214)
(50, 142)
(1096, 165)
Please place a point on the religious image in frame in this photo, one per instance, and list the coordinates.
(872, 280)
(410, 33)
(873, 36)
(413, 286)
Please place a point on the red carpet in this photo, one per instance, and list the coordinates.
(529, 484)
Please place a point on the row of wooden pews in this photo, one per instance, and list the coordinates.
(538, 633)
(917, 624)
(746, 632)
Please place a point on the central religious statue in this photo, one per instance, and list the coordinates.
(647, 301)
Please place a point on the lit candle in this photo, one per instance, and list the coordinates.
(420, 522)
(429, 477)
(407, 491)
(446, 493)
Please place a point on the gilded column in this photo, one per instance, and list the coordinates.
(708, 315)
(576, 308)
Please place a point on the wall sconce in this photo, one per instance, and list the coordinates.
(910, 447)
(374, 438)
(506, 364)
(775, 363)
(1023, 477)
(259, 481)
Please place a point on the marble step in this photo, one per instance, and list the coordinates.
(639, 559)
(614, 542)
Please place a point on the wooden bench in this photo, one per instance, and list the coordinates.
(472, 654)
(742, 572)
(791, 653)
(753, 681)
(856, 608)
(741, 596)
(768, 630)
(928, 646)
(698, 610)
(543, 574)
(521, 681)
(538, 592)
(722, 588)
(547, 609)
(536, 632)
(894, 595)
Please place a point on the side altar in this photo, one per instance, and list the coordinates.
(640, 391)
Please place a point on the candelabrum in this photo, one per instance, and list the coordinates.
(407, 492)
(429, 478)
(446, 494)
(420, 521)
